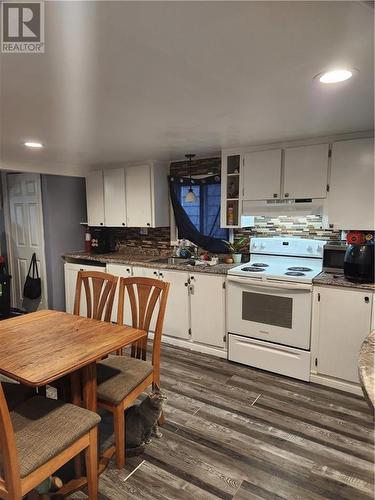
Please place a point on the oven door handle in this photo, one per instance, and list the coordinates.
(270, 284)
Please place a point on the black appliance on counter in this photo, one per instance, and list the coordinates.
(359, 257)
(102, 240)
(333, 257)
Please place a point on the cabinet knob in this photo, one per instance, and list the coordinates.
(148, 224)
(186, 284)
(275, 195)
(367, 300)
(161, 275)
(128, 270)
(155, 272)
(286, 195)
(101, 223)
(123, 224)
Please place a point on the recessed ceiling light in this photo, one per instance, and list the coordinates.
(335, 76)
(33, 144)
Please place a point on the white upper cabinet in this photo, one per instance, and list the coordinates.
(351, 195)
(138, 196)
(262, 175)
(306, 172)
(114, 197)
(147, 199)
(132, 196)
(95, 198)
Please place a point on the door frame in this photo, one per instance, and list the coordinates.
(8, 232)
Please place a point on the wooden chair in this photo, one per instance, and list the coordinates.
(100, 291)
(121, 379)
(40, 436)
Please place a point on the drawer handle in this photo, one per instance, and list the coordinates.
(275, 195)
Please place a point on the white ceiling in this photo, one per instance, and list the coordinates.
(124, 81)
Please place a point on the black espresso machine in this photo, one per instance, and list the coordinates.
(359, 257)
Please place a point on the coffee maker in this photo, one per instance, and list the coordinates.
(359, 257)
(102, 240)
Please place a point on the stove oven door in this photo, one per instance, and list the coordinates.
(278, 312)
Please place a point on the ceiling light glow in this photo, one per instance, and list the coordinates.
(335, 76)
(34, 145)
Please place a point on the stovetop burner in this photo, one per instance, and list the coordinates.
(295, 273)
(299, 268)
(252, 269)
(259, 264)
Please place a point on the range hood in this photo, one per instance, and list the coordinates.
(305, 206)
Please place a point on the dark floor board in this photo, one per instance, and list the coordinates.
(297, 441)
(228, 397)
(245, 447)
(307, 401)
(222, 366)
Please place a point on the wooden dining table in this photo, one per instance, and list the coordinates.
(43, 346)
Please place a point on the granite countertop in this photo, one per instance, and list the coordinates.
(340, 280)
(145, 261)
(366, 367)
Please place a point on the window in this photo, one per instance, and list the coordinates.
(204, 213)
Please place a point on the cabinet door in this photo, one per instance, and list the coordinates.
(71, 271)
(262, 175)
(306, 171)
(207, 302)
(351, 195)
(114, 197)
(344, 318)
(95, 198)
(122, 271)
(176, 320)
(138, 196)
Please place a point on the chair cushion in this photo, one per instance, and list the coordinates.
(45, 427)
(15, 393)
(117, 376)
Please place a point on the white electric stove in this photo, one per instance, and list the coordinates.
(269, 305)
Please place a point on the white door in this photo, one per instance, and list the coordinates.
(95, 198)
(71, 271)
(306, 171)
(351, 195)
(138, 196)
(114, 197)
(207, 302)
(122, 271)
(262, 175)
(176, 320)
(27, 237)
(342, 321)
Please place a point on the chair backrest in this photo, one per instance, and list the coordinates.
(145, 294)
(10, 480)
(99, 290)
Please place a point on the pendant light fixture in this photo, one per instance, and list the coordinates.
(190, 195)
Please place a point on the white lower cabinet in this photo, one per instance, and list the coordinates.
(341, 321)
(176, 320)
(122, 272)
(71, 271)
(207, 302)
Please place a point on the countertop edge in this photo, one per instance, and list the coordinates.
(338, 280)
(146, 261)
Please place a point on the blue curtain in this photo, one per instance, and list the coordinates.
(200, 223)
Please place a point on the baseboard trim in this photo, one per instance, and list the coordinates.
(193, 346)
(342, 385)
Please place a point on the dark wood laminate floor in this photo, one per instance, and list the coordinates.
(236, 432)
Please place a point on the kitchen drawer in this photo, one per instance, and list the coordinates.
(271, 357)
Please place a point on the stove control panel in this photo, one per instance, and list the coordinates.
(298, 247)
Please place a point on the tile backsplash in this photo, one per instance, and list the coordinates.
(155, 242)
(309, 226)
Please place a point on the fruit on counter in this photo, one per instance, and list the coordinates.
(228, 260)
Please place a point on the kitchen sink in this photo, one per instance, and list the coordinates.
(171, 260)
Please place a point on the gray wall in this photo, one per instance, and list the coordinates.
(64, 207)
